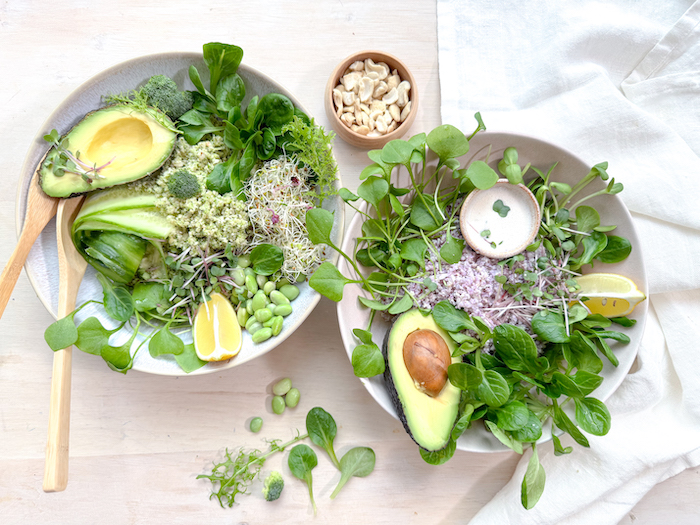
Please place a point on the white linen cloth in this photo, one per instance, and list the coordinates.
(618, 81)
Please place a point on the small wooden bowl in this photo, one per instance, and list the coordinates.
(347, 134)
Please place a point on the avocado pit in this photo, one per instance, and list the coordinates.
(427, 357)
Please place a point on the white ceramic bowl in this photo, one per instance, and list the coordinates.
(42, 263)
(612, 211)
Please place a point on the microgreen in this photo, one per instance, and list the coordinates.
(302, 460)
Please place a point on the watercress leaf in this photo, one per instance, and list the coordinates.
(514, 173)
(222, 59)
(559, 450)
(302, 460)
(587, 218)
(365, 336)
(165, 342)
(322, 429)
(481, 175)
(367, 360)
(372, 169)
(402, 305)
(397, 152)
(418, 142)
(425, 214)
(414, 250)
(447, 142)
(464, 376)
(562, 187)
(493, 389)
(592, 416)
(533, 481)
(373, 190)
(396, 205)
(531, 431)
(463, 421)
(372, 229)
(373, 304)
(512, 416)
(438, 457)
(188, 360)
(449, 318)
(616, 250)
(452, 250)
(398, 191)
(504, 438)
(277, 110)
(377, 280)
(347, 195)
(515, 347)
(358, 462)
(319, 224)
(328, 281)
(149, 296)
(119, 358)
(92, 336)
(562, 420)
(592, 246)
(550, 326)
(266, 259)
(62, 333)
(230, 92)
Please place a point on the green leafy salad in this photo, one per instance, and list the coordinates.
(195, 208)
(510, 343)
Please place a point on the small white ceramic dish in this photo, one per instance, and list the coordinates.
(42, 265)
(489, 146)
(500, 231)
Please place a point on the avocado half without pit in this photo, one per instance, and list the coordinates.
(121, 143)
(418, 353)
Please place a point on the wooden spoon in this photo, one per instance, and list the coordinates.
(40, 209)
(71, 268)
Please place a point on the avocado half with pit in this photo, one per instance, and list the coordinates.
(417, 353)
(123, 143)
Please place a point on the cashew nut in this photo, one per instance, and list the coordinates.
(402, 91)
(366, 89)
(395, 112)
(405, 111)
(391, 97)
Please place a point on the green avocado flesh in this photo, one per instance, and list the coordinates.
(124, 142)
(428, 420)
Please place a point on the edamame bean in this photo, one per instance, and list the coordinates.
(269, 287)
(292, 398)
(249, 306)
(278, 404)
(249, 271)
(262, 334)
(282, 282)
(276, 324)
(261, 279)
(244, 261)
(282, 386)
(269, 323)
(253, 325)
(256, 424)
(262, 315)
(259, 300)
(251, 283)
(283, 309)
(278, 298)
(238, 276)
(242, 315)
(290, 291)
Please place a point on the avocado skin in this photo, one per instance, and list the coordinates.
(401, 327)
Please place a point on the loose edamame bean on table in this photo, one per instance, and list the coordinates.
(256, 424)
(282, 386)
(278, 404)
(292, 397)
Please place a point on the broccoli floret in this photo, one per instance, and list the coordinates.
(272, 488)
(183, 185)
(162, 92)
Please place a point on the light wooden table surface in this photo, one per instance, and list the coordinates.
(138, 441)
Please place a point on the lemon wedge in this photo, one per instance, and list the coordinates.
(216, 332)
(609, 294)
